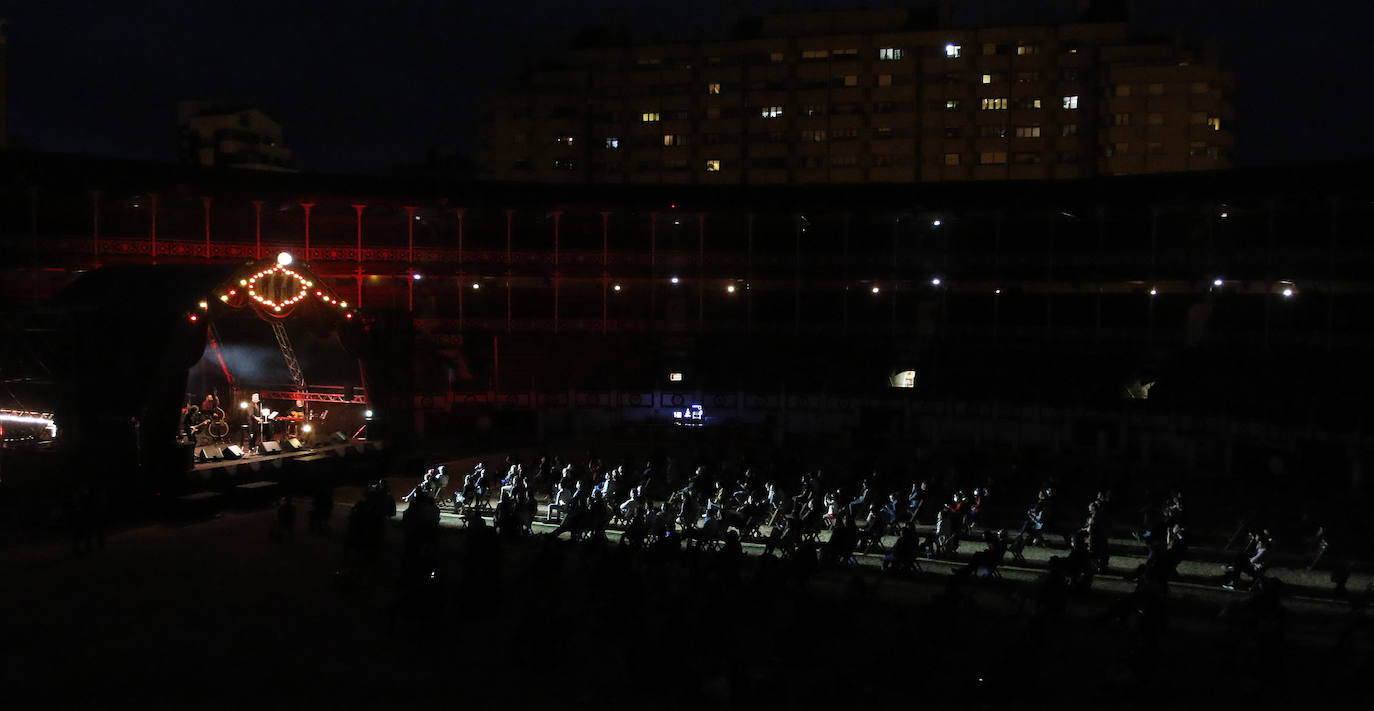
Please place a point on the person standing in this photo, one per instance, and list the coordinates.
(257, 420)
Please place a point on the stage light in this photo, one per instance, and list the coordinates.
(416, 276)
(276, 308)
(1288, 292)
(673, 280)
(343, 304)
(730, 288)
(224, 297)
(675, 377)
(243, 282)
(348, 315)
(243, 405)
(193, 317)
(936, 223)
(284, 258)
(1225, 215)
(1154, 291)
(204, 305)
(616, 287)
(996, 291)
(476, 286)
(306, 428)
(1217, 282)
(875, 289)
(367, 413)
(935, 281)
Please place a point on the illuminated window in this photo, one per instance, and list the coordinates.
(1155, 89)
(1214, 123)
(770, 111)
(994, 104)
(815, 54)
(1027, 131)
(674, 139)
(1154, 119)
(713, 87)
(990, 49)
(612, 142)
(713, 166)
(813, 135)
(1028, 102)
(1027, 49)
(851, 80)
(954, 51)
(992, 157)
(889, 53)
(649, 116)
(991, 131)
(991, 78)
(776, 57)
(884, 80)
(1121, 119)
(1068, 129)
(951, 159)
(1123, 89)
(951, 105)
(845, 53)
(813, 110)
(563, 140)
(1071, 102)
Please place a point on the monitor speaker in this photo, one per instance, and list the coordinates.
(270, 447)
(208, 454)
(233, 451)
(338, 438)
(291, 445)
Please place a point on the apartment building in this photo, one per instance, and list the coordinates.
(209, 135)
(865, 96)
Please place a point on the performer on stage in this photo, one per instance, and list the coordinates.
(257, 419)
(191, 420)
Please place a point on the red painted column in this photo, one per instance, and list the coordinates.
(95, 225)
(461, 284)
(510, 217)
(205, 202)
(153, 209)
(557, 216)
(701, 271)
(358, 255)
(307, 206)
(257, 229)
(605, 273)
(410, 258)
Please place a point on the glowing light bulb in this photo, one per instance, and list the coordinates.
(284, 258)
(1287, 293)
(1154, 291)
(875, 289)
(674, 280)
(1217, 282)
(730, 289)
(935, 281)
(343, 304)
(616, 287)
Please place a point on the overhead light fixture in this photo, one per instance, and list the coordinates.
(935, 281)
(284, 258)
(674, 280)
(875, 289)
(1217, 282)
(616, 287)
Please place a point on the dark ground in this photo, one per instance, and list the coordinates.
(214, 614)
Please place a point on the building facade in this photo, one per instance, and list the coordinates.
(209, 136)
(865, 96)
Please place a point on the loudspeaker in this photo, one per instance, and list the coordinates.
(270, 447)
(233, 451)
(338, 438)
(291, 445)
(209, 454)
(348, 393)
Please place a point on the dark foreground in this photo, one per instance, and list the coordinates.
(215, 614)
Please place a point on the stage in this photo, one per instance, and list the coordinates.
(307, 463)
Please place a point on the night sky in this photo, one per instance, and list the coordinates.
(359, 86)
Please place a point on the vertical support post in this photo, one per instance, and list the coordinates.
(257, 231)
(701, 272)
(796, 274)
(307, 206)
(749, 276)
(153, 225)
(844, 274)
(461, 284)
(605, 273)
(205, 202)
(510, 218)
(653, 268)
(95, 225)
(557, 217)
(410, 258)
(358, 254)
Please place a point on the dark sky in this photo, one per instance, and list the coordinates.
(359, 85)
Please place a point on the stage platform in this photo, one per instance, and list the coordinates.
(282, 466)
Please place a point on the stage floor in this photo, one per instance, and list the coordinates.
(253, 464)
